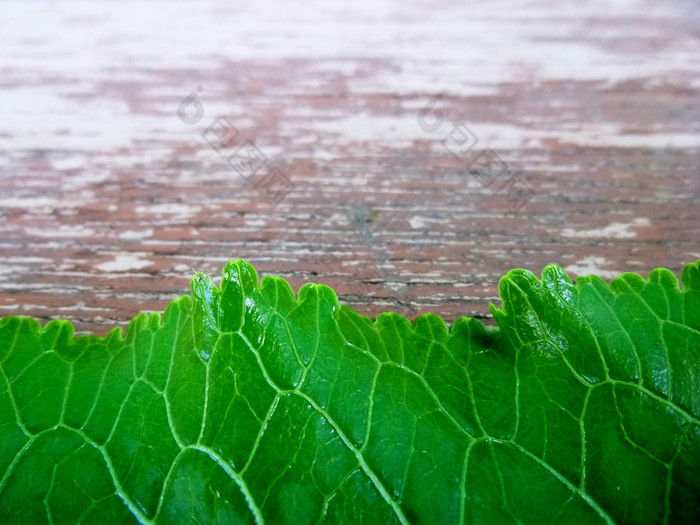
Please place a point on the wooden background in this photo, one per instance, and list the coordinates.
(407, 154)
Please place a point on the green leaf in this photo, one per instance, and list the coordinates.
(246, 404)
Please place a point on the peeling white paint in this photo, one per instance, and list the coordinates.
(615, 230)
(475, 50)
(419, 222)
(254, 222)
(31, 203)
(64, 231)
(592, 266)
(586, 134)
(175, 210)
(365, 127)
(123, 263)
(183, 268)
(73, 161)
(136, 234)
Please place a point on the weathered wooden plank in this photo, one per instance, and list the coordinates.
(407, 156)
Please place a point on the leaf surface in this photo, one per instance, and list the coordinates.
(246, 404)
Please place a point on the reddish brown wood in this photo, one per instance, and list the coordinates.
(585, 116)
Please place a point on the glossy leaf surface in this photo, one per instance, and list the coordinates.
(248, 404)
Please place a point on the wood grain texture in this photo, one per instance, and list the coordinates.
(406, 154)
